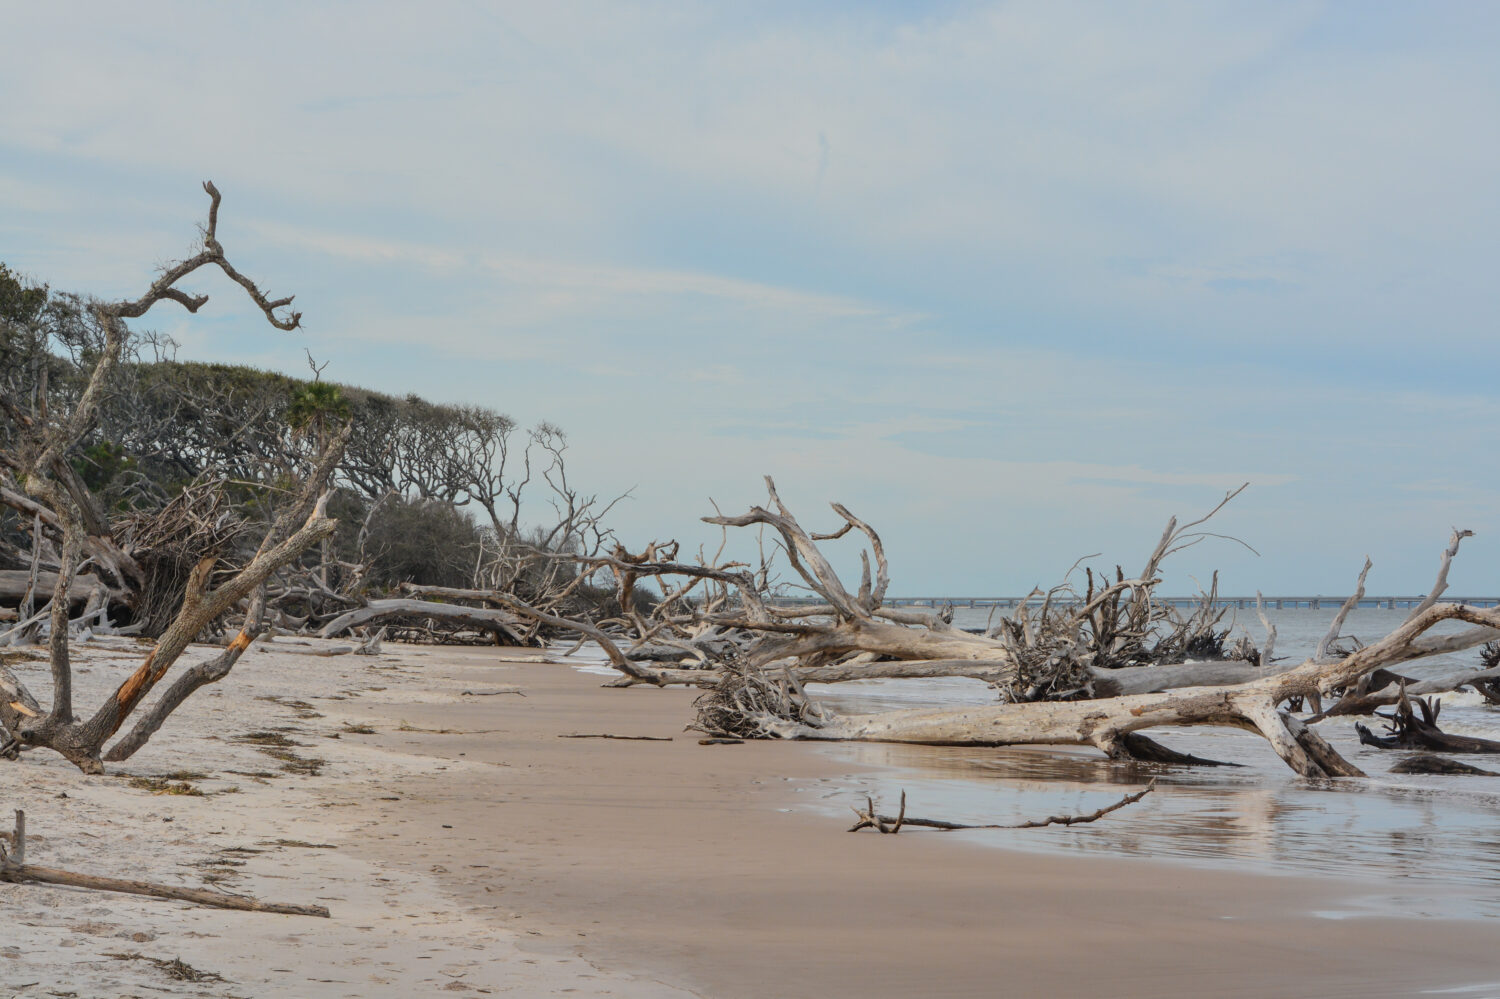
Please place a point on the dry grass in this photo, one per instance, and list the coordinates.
(161, 785)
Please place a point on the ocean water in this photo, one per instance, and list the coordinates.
(1413, 845)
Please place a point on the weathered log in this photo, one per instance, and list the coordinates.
(1428, 763)
(13, 868)
(1102, 723)
(1135, 746)
(1386, 688)
(15, 584)
(501, 623)
(1155, 679)
(31, 874)
(1106, 682)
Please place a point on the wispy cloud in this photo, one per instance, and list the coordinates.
(1002, 273)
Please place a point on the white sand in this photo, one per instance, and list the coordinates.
(392, 933)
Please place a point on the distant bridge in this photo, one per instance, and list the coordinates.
(1277, 602)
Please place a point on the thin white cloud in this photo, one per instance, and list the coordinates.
(598, 281)
(835, 230)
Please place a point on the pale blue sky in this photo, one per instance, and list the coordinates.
(1014, 281)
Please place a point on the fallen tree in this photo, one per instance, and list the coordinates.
(1113, 637)
(1096, 666)
(756, 706)
(506, 628)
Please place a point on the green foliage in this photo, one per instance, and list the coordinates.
(100, 464)
(315, 407)
(20, 303)
(421, 541)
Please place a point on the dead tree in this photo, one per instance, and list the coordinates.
(1112, 638)
(760, 706)
(1096, 667)
(300, 526)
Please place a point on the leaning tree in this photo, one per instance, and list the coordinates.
(42, 486)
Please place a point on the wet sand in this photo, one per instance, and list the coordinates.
(680, 861)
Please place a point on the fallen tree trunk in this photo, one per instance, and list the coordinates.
(1426, 763)
(1365, 702)
(500, 623)
(15, 584)
(1106, 683)
(756, 706)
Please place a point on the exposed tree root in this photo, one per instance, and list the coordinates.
(1409, 731)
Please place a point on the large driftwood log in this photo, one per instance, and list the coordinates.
(1106, 722)
(502, 624)
(1097, 643)
(15, 585)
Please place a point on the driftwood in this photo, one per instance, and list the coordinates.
(15, 869)
(628, 738)
(499, 623)
(1096, 665)
(762, 696)
(1410, 730)
(869, 819)
(1428, 763)
(17, 584)
(1112, 638)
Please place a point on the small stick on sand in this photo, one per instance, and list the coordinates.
(891, 825)
(631, 738)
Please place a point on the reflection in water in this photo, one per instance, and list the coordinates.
(1432, 840)
(1439, 844)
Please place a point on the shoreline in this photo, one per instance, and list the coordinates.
(470, 850)
(723, 873)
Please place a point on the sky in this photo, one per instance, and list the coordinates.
(1015, 282)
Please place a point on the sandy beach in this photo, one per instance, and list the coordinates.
(464, 848)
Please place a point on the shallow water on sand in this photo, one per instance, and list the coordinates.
(1431, 842)
(1424, 845)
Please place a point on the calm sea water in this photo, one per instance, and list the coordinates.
(1430, 844)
